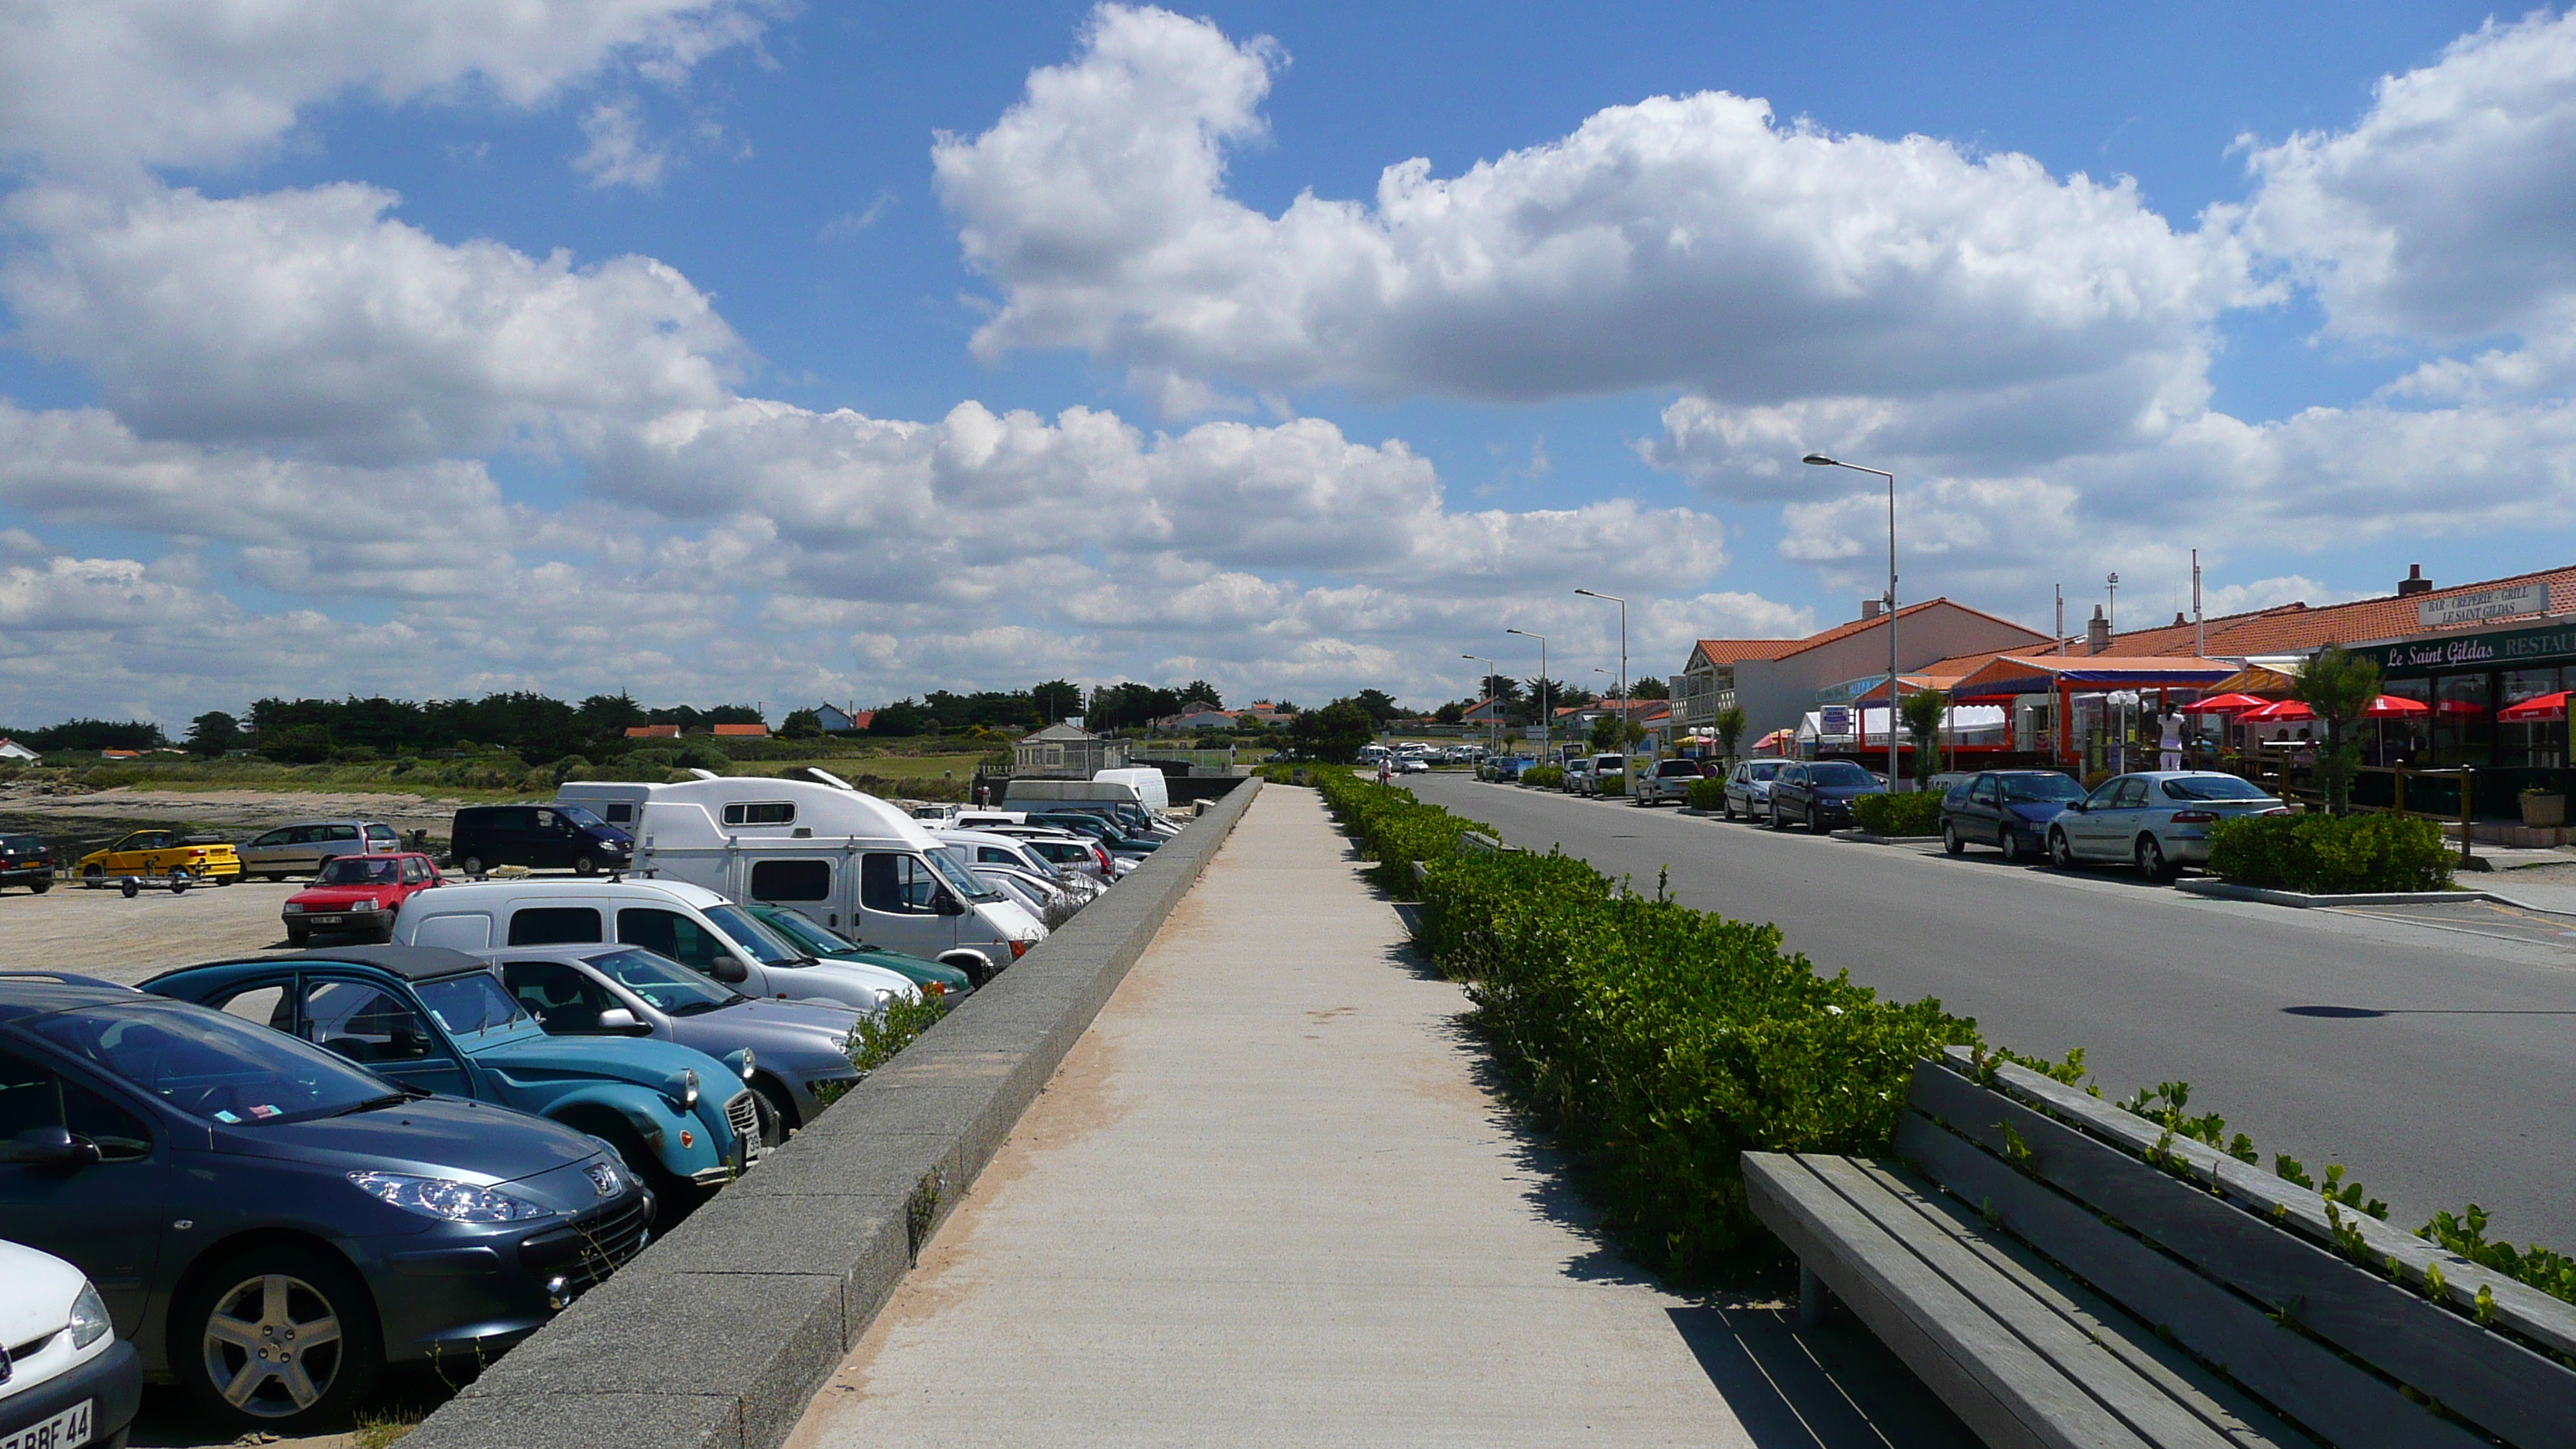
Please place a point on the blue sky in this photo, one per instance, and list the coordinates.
(790, 418)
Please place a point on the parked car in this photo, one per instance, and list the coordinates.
(540, 837)
(936, 979)
(170, 853)
(1578, 772)
(2008, 809)
(1748, 788)
(799, 1049)
(358, 894)
(2157, 820)
(70, 1379)
(1669, 782)
(1108, 834)
(223, 1184)
(689, 924)
(1818, 793)
(301, 849)
(25, 860)
(1607, 776)
(1064, 850)
(1503, 769)
(441, 1021)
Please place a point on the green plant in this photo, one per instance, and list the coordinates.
(2331, 853)
(2551, 1272)
(1922, 713)
(1918, 813)
(2339, 685)
(1543, 777)
(1706, 794)
(874, 1040)
(1729, 724)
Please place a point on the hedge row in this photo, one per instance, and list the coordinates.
(1916, 814)
(2331, 854)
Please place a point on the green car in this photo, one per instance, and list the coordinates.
(945, 982)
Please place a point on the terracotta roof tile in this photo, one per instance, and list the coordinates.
(2295, 628)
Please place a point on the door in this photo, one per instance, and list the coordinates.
(373, 1026)
(269, 852)
(563, 998)
(804, 885)
(1986, 807)
(105, 1216)
(2120, 824)
(896, 889)
(337, 841)
(680, 937)
(508, 836)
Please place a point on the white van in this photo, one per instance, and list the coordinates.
(1129, 787)
(842, 858)
(697, 928)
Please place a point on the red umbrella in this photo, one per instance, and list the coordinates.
(2546, 707)
(2278, 712)
(2460, 706)
(2225, 704)
(2393, 706)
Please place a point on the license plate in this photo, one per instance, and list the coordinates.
(72, 1426)
(328, 920)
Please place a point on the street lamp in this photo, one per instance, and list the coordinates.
(1627, 710)
(1546, 717)
(1481, 683)
(1819, 460)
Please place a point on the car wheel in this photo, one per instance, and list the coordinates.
(2008, 841)
(775, 1114)
(2151, 859)
(276, 1338)
(1815, 823)
(297, 936)
(1727, 809)
(1773, 818)
(2061, 853)
(93, 876)
(584, 865)
(180, 880)
(1950, 840)
(472, 865)
(40, 886)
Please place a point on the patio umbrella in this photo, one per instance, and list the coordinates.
(2282, 711)
(2530, 711)
(2395, 706)
(2225, 704)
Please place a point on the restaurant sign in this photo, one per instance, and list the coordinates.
(1834, 721)
(2514, 649)
(2509, 603)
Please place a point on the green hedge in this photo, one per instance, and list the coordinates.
(1916, 814)
(2331, 854)
(1707, 794)
(1545, 777)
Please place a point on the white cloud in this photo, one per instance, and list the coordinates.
(619, 154)
(311, 319)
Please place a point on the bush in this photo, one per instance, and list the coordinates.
(2331, 854)
(1544, 777)
(1707, 794)
(1894, 815)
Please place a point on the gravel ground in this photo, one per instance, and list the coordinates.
(101, 933)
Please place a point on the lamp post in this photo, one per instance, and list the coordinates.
(1627, 710)
(1819, 460)
(1546, 716)
(1489, 674)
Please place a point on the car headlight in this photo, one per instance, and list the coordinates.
(90, 1322)
(447, 1198)
(291, 909)
(682, 1087)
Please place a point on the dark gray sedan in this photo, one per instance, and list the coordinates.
(1818, 794)
(800, 1049)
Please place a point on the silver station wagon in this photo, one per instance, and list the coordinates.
(300, 849)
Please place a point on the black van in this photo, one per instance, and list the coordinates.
(541, 837)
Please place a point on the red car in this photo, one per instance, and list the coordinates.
(358, 894)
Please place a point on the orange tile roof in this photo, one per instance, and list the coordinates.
(2296, 628)
(1727, 651)
(751, 731)
(653, 732)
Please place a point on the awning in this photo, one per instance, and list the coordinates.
(2535, 711)
(2255, 679)
(2043, 673)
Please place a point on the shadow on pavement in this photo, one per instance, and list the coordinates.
(1831, 1387)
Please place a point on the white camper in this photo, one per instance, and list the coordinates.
(1125, 787)
(836, 855)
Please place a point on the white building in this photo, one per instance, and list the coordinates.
(1776, 682)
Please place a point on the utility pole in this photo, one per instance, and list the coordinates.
(1627, 707)
(2060, 591)
(2113, 583)
(2199, 629)
(1819, 460)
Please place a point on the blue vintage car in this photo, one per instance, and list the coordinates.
(441, 1021)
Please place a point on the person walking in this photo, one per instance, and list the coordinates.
(2169, 746)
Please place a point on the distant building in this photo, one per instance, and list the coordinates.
(1067, 752)
(835, 719)
(12, 750)
(653, 732)
(1197, 714)
(1776, 681)
(1496, 710)
(742, 731)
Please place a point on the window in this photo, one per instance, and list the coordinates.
(415, 871)
(790, 880)
(33, 1096)
(470, 1003)
(1984, 793)
(2129, 793)
(269, 1005)
(510, 818)
(340, 832)
(2035, 789)
(993, 855)
(553, 925)
(561, 998)
(782, 812)
(274, 837)
(382, 837)
(362, 1022)
(619, 813)
(669, 933)
(896, 884)
(209, 1065)
(1839, 772)
(306, 835)
(355, 870)
(662, 985)
(2214, 787)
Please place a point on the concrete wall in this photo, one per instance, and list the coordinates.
(1776, 693)
(719, 1334)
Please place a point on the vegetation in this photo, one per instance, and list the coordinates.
(1921, 713)
(2339, 685)
(2331, 854)
(1331, 735)
(1615, 734)
(1544, 777)
(1918, 813)
(1707, 794)
(1730, 731)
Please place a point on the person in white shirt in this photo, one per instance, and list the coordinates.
(2169, 747)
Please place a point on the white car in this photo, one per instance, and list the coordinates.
(2157, 820)
(70, 1380)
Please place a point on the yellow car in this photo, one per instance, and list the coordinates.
(162, 853)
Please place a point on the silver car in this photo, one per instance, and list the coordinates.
(2157, 820)
(800, 1049)
(301, 848)
(1748, 789)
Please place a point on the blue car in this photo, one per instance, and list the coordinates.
(441, 1021)
(2007, 809)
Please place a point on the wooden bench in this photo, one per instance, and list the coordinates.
(2028, 1260)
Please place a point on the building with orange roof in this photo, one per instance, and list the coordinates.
(1777, 681)
(653, 732)
(742, 731)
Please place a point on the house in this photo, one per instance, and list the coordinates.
(653, 732)
(742, 731)
(1266, 714)
(1067, 752)
(1196, 714)
(1496, 710)
(862, 718)
(836, 720)
(1777, 681)
(2417, 608)
(12, 750)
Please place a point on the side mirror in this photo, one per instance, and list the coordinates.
(2077, 807)
(52, 1147)
(947, 905)
(729, 969)
(618, 1021)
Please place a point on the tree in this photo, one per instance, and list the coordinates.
(1730, 729)
(1499, 686)
(1451, 713)
(1332, 735)
(2339, 685)
(1379, 705)
(610, 714)
(1201, 692)
(1649, 688)
(213, 733)
(1922, 712)
(901, 719)
(1608, 731)
(801, 724)
(1056, 699)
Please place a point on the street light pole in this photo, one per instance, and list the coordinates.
(1627, 708)
(1482, 683)
(1546, 717)
(1819, 460)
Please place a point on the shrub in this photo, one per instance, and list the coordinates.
(1544, 777)
(1918, 813)
(1707, 794)
(2331, 854)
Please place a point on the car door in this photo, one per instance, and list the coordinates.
(2128, 814)
(378, 1027)
(1785, 788)
(805, 885)
(1984, 810)
(137, 853)
(336, 841)
(562, 997)
(268, 852)
(104, 1216)
(897, 896)
(679, 936)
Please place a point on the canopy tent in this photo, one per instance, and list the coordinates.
(1778, 742)
(2255, 679)
(2397, 706)
(2066, 675)
(1962, 724)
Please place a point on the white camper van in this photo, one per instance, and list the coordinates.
(834, 854)
(1132, 787)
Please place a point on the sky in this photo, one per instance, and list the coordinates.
(748, 350)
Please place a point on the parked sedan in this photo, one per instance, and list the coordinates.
(1669, 783)
(798, 1050)
(71, 1380)
(934, 978)
(1608, 776)
(358, 894)
(25, 860)
(303, 848)
(2008, 809)
(440, 1021)
(1578, 776)
(2157, 820)
(1818, 794)
(1748, 788)
(271, 1224)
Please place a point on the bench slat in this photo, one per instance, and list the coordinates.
(2011, 1396)
(2484, 1377)
(2306, 1380)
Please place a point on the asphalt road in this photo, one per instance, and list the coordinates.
(2435, 1063)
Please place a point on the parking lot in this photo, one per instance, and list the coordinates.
(101, 933)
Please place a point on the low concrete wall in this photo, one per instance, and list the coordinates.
(719, 1334)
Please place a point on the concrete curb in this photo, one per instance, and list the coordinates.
(2301, 900)
(718, 1336)
(1863, 837)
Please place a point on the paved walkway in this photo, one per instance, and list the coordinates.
(1265, 1201)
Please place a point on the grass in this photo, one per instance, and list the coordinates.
(379, 1430)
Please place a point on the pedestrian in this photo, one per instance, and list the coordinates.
(2169, 747)
(1385, 776)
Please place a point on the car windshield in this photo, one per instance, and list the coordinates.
(954, 868)
(2039, 789)
(472, 1003)
(667, 986)
(214, 1066)
(1839, 772)
(22, 842)
(816, 940)
(577, 815)
(2213, 787)
(1761, 772)
(765, 945)
(350, 870)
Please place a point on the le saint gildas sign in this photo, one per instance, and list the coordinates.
(2450, 609)
(2507, 649)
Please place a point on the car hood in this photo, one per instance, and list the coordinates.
(342, 895)
(1847, 792)
(41, 1301)
(807, 1035)
(432, 1136)
(2038, 812)
(623, 1059)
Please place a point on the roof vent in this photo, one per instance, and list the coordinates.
(2414, 582)
(1869, 608)
(2097, 633)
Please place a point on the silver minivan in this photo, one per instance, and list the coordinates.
(300, 849)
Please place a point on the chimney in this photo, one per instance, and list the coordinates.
(2180, 619)
(2414, 582)
(2097, 634)
(1869, 608)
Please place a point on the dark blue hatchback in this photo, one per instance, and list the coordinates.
(270, 1224)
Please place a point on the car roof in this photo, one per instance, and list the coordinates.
(37, 993)
(412, 963)
(554, 951)
(466, 893)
